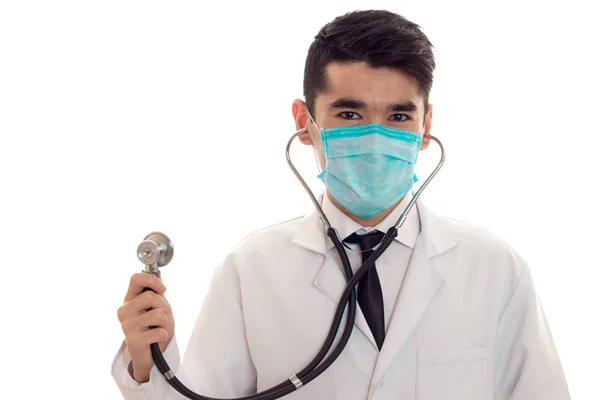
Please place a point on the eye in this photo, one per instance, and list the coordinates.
(349, 115)
(400, 117)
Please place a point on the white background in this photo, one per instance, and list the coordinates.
(118, 118)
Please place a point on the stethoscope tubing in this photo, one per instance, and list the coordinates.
(317, 366)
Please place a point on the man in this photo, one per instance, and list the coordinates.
(447, 312)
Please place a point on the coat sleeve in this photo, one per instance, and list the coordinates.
(527, 365)
(129, 387)
(217, 361)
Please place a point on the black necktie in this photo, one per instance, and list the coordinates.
(370, 296)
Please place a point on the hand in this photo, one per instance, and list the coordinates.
(140, 311)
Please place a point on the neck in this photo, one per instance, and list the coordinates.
(365, 222)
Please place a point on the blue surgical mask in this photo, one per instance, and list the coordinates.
(369, 167)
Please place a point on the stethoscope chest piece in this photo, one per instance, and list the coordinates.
(155, 251)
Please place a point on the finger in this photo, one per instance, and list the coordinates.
(143, 280)
(141, 304)
(136, 325)
(146, 338)
(150, 300)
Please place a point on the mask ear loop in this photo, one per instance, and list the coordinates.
(317, 162)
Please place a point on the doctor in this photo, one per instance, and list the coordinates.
(449, 312)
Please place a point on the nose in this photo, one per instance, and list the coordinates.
(375, 118)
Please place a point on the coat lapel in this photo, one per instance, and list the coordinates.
(331, 282)
(421, 284)
(311, 234)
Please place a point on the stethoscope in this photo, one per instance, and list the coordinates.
(157, 251)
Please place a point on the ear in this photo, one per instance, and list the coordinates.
(301, 118)
(426, 141)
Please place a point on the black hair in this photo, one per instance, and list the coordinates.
(381, 38)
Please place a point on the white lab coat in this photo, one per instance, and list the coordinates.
(467, 325)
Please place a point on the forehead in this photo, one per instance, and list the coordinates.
(377, 87)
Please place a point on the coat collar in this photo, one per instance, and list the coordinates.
(345, 226)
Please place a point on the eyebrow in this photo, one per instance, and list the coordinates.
(348, 102)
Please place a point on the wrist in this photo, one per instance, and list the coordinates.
(137, 377)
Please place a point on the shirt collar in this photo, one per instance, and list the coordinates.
(345, 226)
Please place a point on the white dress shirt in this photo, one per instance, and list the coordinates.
(392, 264)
